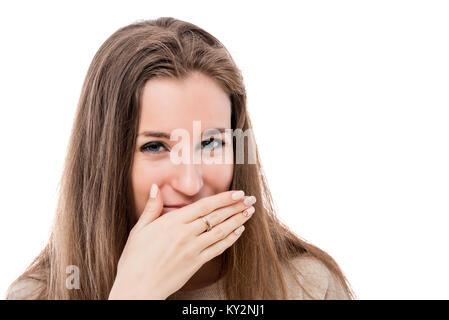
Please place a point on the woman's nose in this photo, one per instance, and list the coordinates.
(188, 178)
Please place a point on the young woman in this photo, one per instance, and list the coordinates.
(133, 223)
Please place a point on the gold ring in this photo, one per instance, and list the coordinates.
(207, 223)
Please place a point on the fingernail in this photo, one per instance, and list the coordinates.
(239, 230)
(153, 192)
(250, 201)
(249, 211)
(238, 195)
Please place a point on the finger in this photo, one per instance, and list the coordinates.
(219, 247)
(206, 205)
(218, 216)
(221, 231)
(153, 208)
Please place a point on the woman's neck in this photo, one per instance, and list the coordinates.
(206, 275)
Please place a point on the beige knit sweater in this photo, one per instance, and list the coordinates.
(316, 278)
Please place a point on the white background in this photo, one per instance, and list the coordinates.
(350, 106)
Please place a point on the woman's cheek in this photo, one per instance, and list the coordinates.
(144, 174)
(218, 175)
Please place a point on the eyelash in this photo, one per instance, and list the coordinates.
(161, 144)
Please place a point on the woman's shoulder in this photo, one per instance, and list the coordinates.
(316, 280)
(24, 289)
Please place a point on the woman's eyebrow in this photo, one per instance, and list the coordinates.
(159, 134)
(213, 131)
(156, 134)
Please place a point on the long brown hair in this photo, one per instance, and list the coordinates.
(95, 207)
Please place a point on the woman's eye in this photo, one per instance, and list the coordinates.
(214, 142)
(153, 147)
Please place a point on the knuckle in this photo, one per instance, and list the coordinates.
(224, 246)
(204, 256)
(242, 218)
(232, 210)
(226, 212)
(213, 218)
(219, 232)
(188, 255)
(239, 206)
(205, 206)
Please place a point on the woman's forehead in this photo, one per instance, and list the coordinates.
(167, 104)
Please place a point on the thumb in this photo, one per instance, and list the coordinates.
(153, 208)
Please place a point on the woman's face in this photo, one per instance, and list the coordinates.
(168, 105)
